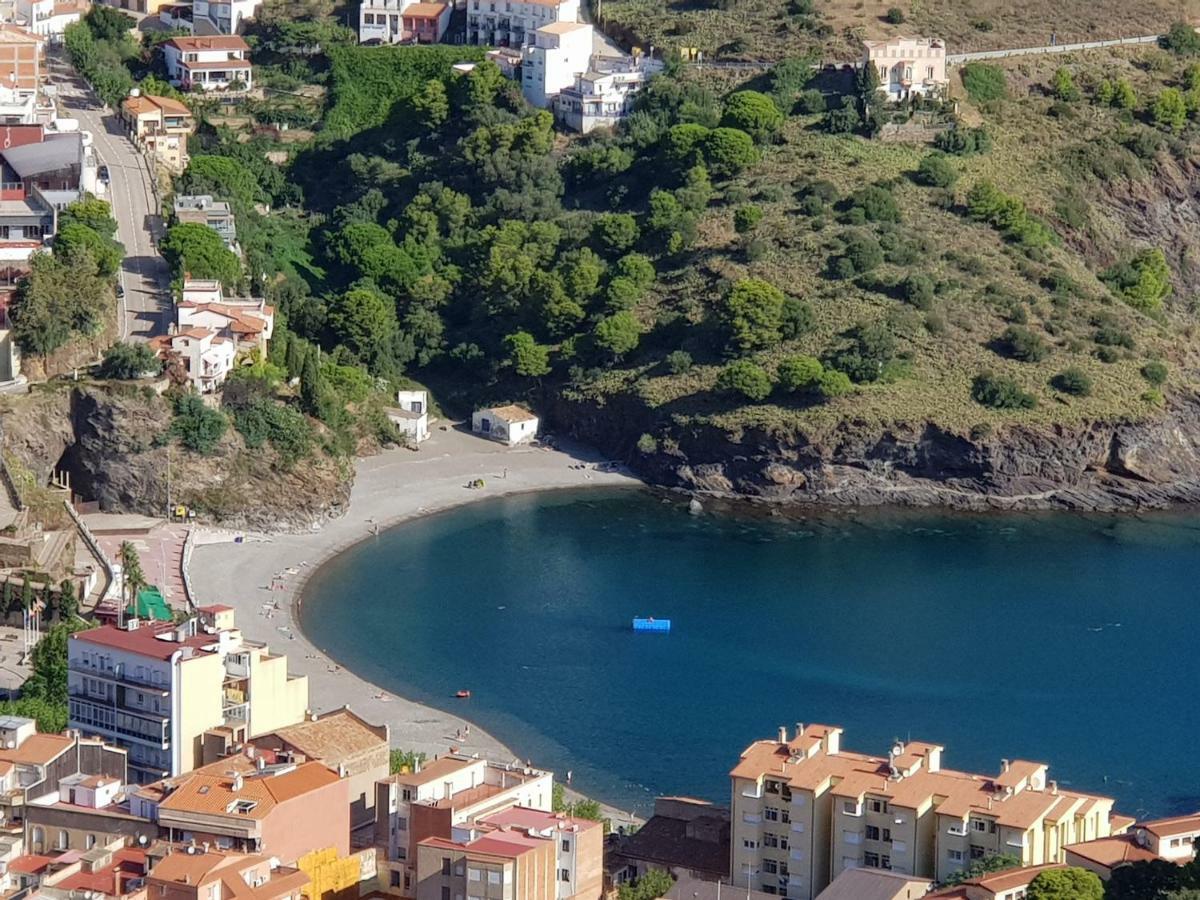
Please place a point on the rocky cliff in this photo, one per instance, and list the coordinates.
(1120, 465)
(110, 440)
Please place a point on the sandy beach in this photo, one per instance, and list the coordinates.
(396, 486)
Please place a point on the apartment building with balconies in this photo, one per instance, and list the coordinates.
(512, 23)
(516, 854)
(156, 689)
(804, 810)
(450, 792)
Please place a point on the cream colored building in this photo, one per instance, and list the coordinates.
(908, 65)
(156, 689)
(804, 810)
(450, 793)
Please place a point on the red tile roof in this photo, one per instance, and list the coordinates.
(215, 42)
(142, 641)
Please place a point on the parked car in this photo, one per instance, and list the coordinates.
(102, 174)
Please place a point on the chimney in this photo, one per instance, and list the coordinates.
(237, 782)
(205, 846)
(1054, 788)
(783, 734)
(1004, 765)
(799, 729)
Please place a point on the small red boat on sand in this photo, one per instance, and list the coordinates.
(463, 695)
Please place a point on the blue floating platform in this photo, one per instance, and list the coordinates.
(651, 624)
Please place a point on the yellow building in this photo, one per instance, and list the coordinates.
(804, 810)
(159, 690)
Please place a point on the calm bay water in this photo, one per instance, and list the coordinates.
(1067, 639)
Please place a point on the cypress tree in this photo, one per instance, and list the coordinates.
(68, 606)
(310, 383)
(27, 593)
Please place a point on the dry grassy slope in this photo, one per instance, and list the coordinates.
(770, 29)
(1032, 158)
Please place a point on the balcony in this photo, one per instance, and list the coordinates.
(119, 673)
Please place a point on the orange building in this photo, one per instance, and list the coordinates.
(283, 811)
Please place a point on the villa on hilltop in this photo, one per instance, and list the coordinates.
(908, 66)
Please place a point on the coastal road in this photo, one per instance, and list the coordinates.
(145, 276)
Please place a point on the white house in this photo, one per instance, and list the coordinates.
(207, 357)
(248, 322)
(208, 63)
(410, 415)
(511, 23)
(603, 95)
(50, 18)
(507, 424)
(222, 16)
(560, 52)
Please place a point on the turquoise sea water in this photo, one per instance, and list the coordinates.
(1066, 639)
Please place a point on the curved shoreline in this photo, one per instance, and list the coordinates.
(394, 488)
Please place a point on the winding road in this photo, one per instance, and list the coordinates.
(145, 276)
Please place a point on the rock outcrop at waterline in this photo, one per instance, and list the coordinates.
(110, 440)
(1099, 466)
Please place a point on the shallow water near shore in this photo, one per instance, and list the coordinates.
(1062, 638)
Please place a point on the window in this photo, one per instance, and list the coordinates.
(976, 852)
(871, 860)
(402, 823)
(771, 814)
(445, 893)
(566, 846)
(786, 816)
(978, 825)
(474, 874)
(885, 861)
(564, 874)
(771, 787)
(445, 865)
(849, 807)
(395, 878)
(872, 833)
(879, 806)
(749, 844)
(90, 841)
(770, 866)
(954, 855)
(63, 839)
(887, 835)
(493, 876)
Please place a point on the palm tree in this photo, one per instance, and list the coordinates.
(133, 579)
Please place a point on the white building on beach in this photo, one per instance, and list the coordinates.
(410, 415)
(506, 424)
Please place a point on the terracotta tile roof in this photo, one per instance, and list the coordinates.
(127, 863)
(15, 34)
(1111, 851)
(524, 817)
(873, 884)
(424, 10)
(170, 105)
(801, 764)
(29, 864)
(1173, 826)
(434, 771)
(332, 738)
(1018, 771)
(215, 42)
(215, 795)
(1008, 879)
(38, 749)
